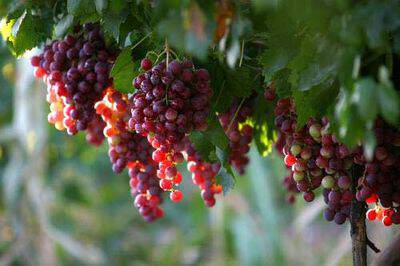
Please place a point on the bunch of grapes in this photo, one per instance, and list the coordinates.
(203, 175)
(76, 71)
(145, 190)
(171, 100)
(314, 157)
(239, 133)
(380, 185)
(128, 149)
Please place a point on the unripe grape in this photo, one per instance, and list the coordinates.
(298, 176)
(328, 182)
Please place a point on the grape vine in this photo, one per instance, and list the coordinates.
(331, 107)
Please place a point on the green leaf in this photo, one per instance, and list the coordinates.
(281, 83)
(83, 10)
(389, 103)
(100, 5)
(315, 74)
(240, 82)
(215, 133)
(27, 33)
(63, 25)
(364, 97)
(225, 177)
(123, 71)
(273, 61)
(227, 182)
(73, 6)
(203, 146)
(314, 102)
(351, 126)
(111, 24)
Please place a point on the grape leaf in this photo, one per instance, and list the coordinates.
(100, 5)
(123, 71)
(203, 146)
(225, 177)
(63, 25)
(73, 6)
(240, 82)
(364, 97)
(28, 32)
(215, 134)
(389, 103)
(281, 83)
(111, 24)
(315, 74)
(388, 97)
(306, 106)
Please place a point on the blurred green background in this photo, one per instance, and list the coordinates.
(62, 205)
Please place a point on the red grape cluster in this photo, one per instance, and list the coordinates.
(239, 133)
(171, 100)
(145, 190)
(76, 70)
(128, 149)
(314, 157)
(380, 185)
(203, 175)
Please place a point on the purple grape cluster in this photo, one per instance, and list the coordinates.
(315, 158)
(239, 133)
(77, 68)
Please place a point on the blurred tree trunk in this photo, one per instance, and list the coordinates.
(26, 168)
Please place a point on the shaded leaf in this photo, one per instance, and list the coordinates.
(63, 25)
(123, 71)
(225, 176)
(203, 146)
(364, 97)
(100, 5)
(389, 103)
(215, 133)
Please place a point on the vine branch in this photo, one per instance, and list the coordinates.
(358, 229)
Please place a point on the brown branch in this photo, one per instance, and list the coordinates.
(358, 230)
(372, 246)
(391, 254)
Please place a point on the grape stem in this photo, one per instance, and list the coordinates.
(141, 40)
(235, 115)
(241, 54)
(372, 245)
(167, 52)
